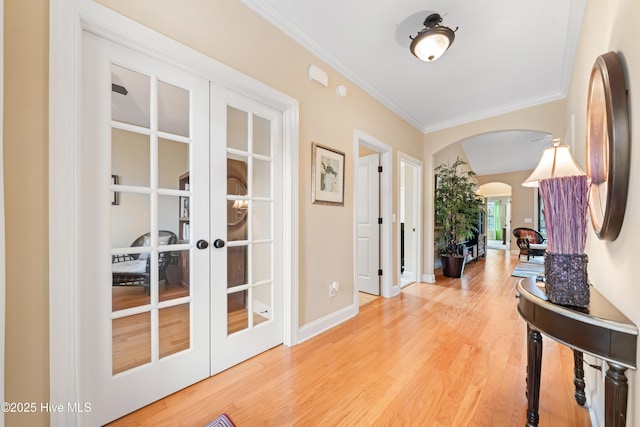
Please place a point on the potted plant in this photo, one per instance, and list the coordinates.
(457, 208)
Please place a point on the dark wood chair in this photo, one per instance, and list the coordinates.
(134, 269)
(535, 242)
(525, 249)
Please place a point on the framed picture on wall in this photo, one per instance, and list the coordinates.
(327, 175)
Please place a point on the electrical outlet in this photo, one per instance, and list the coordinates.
(332, 290)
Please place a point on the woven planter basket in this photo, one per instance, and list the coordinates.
(566, 280)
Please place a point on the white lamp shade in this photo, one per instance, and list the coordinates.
(556, 162)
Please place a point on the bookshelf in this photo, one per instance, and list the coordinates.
(184, 231)
(184, 214)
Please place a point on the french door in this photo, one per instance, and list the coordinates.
(246, 299)
(179, 229)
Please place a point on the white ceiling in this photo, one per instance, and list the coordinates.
(507, 55)
(505, 151)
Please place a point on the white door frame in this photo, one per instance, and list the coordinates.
(403, 157)
(68, 18)
(388, 289)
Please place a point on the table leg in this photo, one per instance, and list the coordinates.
(615, 396)
(534, 365)
(578, 378)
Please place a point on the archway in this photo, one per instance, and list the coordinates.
(498, 214)
(445, 145)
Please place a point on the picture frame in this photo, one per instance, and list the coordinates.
(327, 175)
(115, 198)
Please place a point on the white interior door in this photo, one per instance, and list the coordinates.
(145, 203)
(246, 299)
(368, 227)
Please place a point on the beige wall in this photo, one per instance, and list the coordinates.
(449, 154)
(232, 34)
(612, 25)
(26, 199)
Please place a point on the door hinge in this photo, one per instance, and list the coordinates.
(380, 272)
(380, 169)
(379, 220)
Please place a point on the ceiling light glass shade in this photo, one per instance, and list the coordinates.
(433, 40)
(430, 46)
(556, 162)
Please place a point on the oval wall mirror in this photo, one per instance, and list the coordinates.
(607, 146)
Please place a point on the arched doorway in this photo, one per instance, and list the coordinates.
(500, 155)
(498, 214)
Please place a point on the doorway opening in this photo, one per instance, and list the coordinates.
(410, 213)
(498, 215)
(372, 241)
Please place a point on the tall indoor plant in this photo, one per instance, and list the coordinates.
(457, 209)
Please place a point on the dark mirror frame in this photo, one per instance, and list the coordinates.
(607, 145)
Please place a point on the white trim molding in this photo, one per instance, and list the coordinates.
(428, 223)
(68, 20)
(327, 322)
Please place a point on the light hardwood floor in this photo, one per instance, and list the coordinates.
(132, 334)
(452, 353)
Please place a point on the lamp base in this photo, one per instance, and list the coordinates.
(566, 280)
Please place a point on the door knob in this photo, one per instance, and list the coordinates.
(218, 243)
(202, 244)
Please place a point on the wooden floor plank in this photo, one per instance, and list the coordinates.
(451, 353)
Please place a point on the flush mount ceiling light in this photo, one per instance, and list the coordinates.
(433, 40)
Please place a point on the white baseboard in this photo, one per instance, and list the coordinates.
(429, 278)
(262, 308)
(327, 322)
(395, 290)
